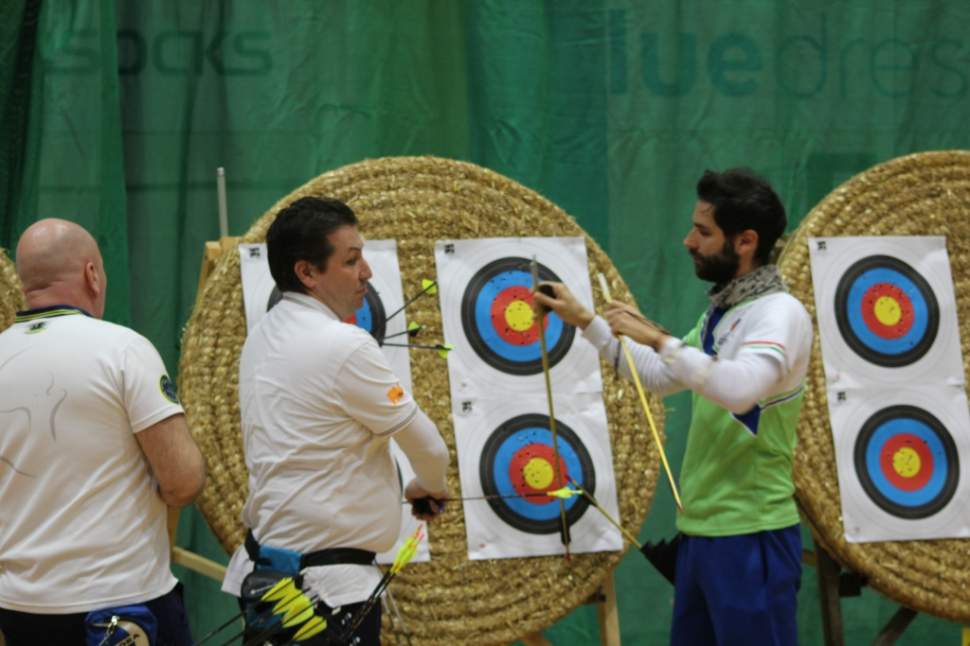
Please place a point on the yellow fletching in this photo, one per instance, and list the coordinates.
(284, 606)
(404, 560)
(297, 607)
(413, 326)
(283, 588)
(564, 493)
(429, 286)
(408, 550)
(313, 627)
(289, 598)
(304, 615)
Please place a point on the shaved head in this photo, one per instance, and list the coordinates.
(59, 264)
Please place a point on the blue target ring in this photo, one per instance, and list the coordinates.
(487, 295)
(370, 315)
(511, 495)
(496, 292)
(896, 343)
(917, 431)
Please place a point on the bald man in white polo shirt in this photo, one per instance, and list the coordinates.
(93, 446)
(319, 404)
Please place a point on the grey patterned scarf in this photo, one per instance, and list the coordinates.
(757, 282)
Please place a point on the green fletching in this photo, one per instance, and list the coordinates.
(444, 349)
(429, 286)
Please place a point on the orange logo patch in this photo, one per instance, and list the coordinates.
(395, 394)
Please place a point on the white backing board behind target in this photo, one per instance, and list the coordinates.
(894, 376)
(484, 290)
(901, 455)
(505, 449)
(258, 297)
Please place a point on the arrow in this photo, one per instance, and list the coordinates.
(442, 348)
(643, 399)
(404, 555)
(630, 537)
(412, 331)
(427, 287)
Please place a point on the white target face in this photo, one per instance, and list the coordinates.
(485, 288)
(886, 309)
(507, 465)
(902, 462)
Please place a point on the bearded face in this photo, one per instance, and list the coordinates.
(718, 267)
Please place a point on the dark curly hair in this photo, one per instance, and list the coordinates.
(742, 200)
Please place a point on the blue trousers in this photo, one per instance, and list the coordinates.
(738, 590)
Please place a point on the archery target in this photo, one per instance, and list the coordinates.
(907, 462)
(485, 287)
(899, 457)
(518, 468)
(408, 522)
(507, 464)
(498, 320)
(886, 310)
(384, 295)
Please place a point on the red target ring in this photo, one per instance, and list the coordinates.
(532, 473)
(906, 461)
(887, 311)
(511, 311)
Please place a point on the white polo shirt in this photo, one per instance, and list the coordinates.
(319, 403)
(82, 526)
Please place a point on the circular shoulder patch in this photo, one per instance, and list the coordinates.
(167, 386)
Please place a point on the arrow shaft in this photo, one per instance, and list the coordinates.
(416, 346)
(544, 354)
(604, 286)
(424, 291)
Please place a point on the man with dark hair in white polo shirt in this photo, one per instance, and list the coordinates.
(319, 404)
(93, 446)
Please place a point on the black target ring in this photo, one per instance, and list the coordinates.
(891, 434)
(370, 316)
(909, 332)
(518, 496)
(497, 320)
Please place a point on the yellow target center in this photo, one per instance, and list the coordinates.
(519, 316)
(888, 311)
(906, 462)
(538, 473)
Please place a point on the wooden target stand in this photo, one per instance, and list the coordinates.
(607, 612)
(836, 582)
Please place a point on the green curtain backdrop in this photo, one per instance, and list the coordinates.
(117, 114)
